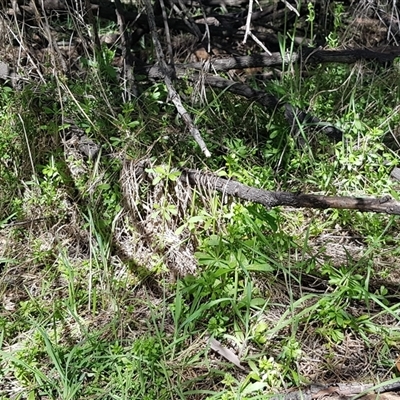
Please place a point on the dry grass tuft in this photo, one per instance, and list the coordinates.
(147, 231)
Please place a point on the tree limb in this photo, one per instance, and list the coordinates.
(305, 56)
(273, 199)
(293, 115)
(167, 73)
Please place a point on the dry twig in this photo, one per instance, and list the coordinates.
(168, 73)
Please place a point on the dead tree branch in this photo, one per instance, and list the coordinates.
(270, 102)
(168, 73)
(127, 56)
(305, 56)
(271, 199)
(338, 391)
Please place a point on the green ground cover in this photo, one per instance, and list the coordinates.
(112, 284)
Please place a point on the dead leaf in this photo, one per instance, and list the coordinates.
(398, 363)
(225, 352)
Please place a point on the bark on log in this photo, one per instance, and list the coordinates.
(305, 56)
(273, 199)
(395, 174)
(342, 391)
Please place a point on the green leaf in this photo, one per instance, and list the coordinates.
(358, 124)
(257, 302)
(253, 366)
(254, 387)
(156, 180)
(214, 240)
(173, 176)
(195, 219)
(160, 170)
(179, 230)
(262, 267)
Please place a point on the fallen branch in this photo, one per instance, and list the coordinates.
(385, 390)
(305, 56)
(270, 102)
(273, 199)
(168, 72)
(128, 79)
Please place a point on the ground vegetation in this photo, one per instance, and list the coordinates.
(199, 200)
